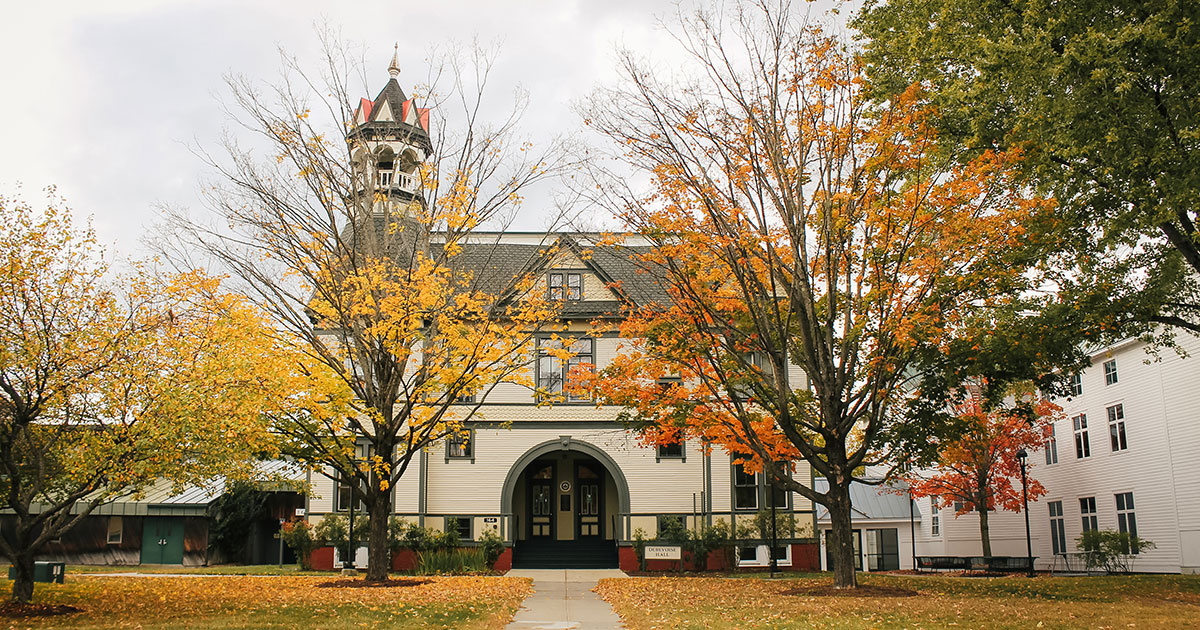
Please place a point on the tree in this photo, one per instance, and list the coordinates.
(813, 247)
(359, 236)
(108, 384)
(1104, 100)
(978, 469)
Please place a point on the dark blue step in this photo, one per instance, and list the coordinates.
(565, 554)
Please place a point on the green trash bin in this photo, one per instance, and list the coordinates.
(43, 572)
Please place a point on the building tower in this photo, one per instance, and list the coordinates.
(389, 140)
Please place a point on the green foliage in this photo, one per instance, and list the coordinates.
(1111, 550)
(407, 535)
(300, 537)
(451, 562)
(1104, 100)
(492, 546)
(334, 530)
(234, 514)
(639, 547)
(785, 524)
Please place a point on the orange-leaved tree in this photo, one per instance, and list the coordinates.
(817, 250)
(979, 469)
(360, 237)
(109, 383)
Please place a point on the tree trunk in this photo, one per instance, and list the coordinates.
(984, 533)
(22, 590)
(841, 535)
(378, 560)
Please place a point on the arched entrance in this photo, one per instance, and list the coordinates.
(566, 498)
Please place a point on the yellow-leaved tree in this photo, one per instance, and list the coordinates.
(360, 236)
(111, 382)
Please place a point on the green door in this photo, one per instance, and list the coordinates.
(162, 541)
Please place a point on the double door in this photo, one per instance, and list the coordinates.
(162, 540)
(548, 499)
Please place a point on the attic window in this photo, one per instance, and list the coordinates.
(566, 285)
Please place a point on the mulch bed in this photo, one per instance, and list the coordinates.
(13, 610)
(361, 583)
(863, 590)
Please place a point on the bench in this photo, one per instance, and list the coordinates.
(991, 564)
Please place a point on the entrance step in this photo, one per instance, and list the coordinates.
(565, 554)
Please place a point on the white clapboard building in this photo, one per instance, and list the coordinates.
(565, 481)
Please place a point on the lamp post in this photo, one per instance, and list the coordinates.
(1021, 455)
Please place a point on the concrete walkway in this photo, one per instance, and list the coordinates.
(563, 600)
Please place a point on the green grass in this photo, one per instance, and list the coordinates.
(1010, 603)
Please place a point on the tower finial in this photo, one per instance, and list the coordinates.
(394, 68)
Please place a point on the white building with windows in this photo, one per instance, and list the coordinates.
(564, 483)
(1123, 458)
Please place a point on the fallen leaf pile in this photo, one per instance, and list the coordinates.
(668, 603)
(185, 601)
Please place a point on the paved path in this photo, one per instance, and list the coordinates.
(563, 600)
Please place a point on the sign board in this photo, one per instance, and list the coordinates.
(491, 519)
(299, 511)
(663, 552)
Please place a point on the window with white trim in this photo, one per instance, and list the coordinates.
(1058, 528)
(1116, 427)
(1126, 521)
(1083, 446)
(1077, 384)
(1087, 510)
(1110, 372)
(1051, 447)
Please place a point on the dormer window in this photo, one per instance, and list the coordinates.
(566, 285)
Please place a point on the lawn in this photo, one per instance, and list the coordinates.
(1140, 601)
(163, 603)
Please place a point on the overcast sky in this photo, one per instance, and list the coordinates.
(104, 98)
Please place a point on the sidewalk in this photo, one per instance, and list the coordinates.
(563, 600)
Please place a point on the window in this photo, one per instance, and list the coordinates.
(1126, 521)
(341, 496)
(1076, 384)
(760, 555)
(461, 445)
(460, 524)
(673, 450)
(468, 399)
(566, 285)
(745, 489)
(1110, 372)
(883, 549)
(553, 371)
(1087, 509)
(1083, 448)
(1116, 428)
(1058, 529)
(935, 522)
(115, 530)
(1051, 447)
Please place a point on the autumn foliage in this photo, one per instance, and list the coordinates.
(110, 382)
(816, 249)
(980, 470)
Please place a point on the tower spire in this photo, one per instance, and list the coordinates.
(394, 68)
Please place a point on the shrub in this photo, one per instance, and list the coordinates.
(299, 536)
(639, 547)
(450, 561)
(406, 535)
(334, 530)
(709, 539)
(492, 546)
(785, 524)
(1111, 550)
